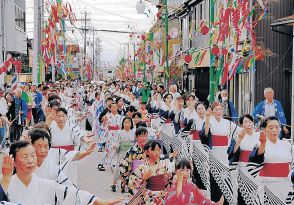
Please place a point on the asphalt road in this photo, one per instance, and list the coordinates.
(94, 181)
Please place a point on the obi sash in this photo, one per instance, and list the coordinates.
(156, 183)
(219, 141)
(195, 135)
(136, 163)
(168, 121)
(66, 147)
(244, 156)
(275, 170)
(111, 128)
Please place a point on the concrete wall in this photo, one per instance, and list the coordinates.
(15, 37)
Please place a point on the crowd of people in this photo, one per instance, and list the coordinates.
(162, 146)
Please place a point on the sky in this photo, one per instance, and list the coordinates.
(107, 15)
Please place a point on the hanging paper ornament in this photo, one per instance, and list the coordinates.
(143, 37)
(188, 58)
(151, 52)
(131, 35)
(158, 15)
(259, 55)
(4, 69)
(18, 67)
(204, 30)
(215, 51)
(168, 37)
(7, 63)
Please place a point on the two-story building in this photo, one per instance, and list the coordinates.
(13, 30)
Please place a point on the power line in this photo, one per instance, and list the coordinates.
(111, 12)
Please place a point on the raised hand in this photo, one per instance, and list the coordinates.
(147, 174)
(91, 148)
(262, 138)
(242, 135)
(208, 113)
(7, 166)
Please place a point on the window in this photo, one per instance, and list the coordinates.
(110, 71)
(19, 18)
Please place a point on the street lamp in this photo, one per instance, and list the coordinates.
(140, 6)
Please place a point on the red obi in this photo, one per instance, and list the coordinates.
(156, 183)
(195, 135)
(275, 170)
(244, 156)
(111, 128)
(219, 141)
(168, 121)
(66, 147)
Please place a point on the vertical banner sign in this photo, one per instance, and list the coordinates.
(38, 71)
(42, 68)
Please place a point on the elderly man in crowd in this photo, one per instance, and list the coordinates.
(270, 107)
(229, 110)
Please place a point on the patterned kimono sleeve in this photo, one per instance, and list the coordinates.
(233, 157)
(125, 165)
(205, 139)
(77, 135)
(117, 140)
(71, 195)
(255, 162)
(136, 179)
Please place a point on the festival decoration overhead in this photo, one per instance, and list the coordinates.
(233, 40)
(54, 40)
(11, 61)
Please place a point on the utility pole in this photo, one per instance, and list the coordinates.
(85, 29)
(36, 44)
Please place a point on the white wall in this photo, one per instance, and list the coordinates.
(15, 37)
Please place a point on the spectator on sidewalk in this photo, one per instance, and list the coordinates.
(270, 107)
(17, 113)
(229, 110)
(3, 119)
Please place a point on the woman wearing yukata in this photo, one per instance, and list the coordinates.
(26, 187)
(167, 129)
(239, 151)
(133, 157)
(184, 192)
(216, 134)
(165, 108)
(120, 106)
(47, 168)
(112, 126)
(66, 134)
(151, 175)
(190, 112)
(199, 154)
(271, 160)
